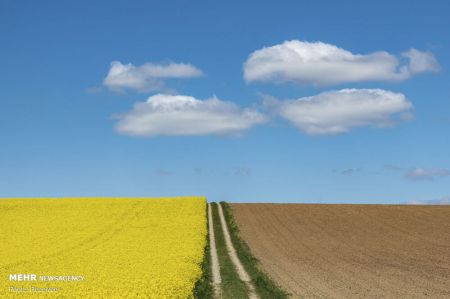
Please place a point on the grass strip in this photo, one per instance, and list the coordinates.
(203, 288)
(265, 287)
(232, 286)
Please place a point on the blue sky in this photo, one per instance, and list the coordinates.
(68, 131)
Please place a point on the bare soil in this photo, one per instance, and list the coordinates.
(351, 251)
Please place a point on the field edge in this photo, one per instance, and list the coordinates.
(202, 288)
(265, 286)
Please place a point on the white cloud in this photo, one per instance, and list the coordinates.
(148, 76)
(420, 62)
(337, 112)
(442, 201)
(421, 174)
(319, 63)
(177, 115)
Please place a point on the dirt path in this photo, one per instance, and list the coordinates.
(351, 251)
(243, 275)
(215, 267)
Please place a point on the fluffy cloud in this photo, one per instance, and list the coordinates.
(147, 76)
(319, 63)
(177, 115)
(337, 112)
(421, 174)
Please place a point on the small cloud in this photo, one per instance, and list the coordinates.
(336, 112)
(242, 171)
(350, 171)
(426, 174)
(391, 167)
(442, 201)
(269, 102)
(162, 172)
(346, 171)
(199, 171)
(420, 62)
(319, 63)
(93, 89)
(147, 77)
(180, 115)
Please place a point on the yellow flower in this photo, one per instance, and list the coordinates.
(121, 247)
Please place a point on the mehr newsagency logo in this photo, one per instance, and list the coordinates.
(23, 277)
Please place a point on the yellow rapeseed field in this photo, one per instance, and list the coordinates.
(101, 247)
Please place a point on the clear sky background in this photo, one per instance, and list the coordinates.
(59, 133)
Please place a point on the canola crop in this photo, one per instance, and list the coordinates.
(101, 247)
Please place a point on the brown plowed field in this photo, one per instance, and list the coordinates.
(351, 251)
